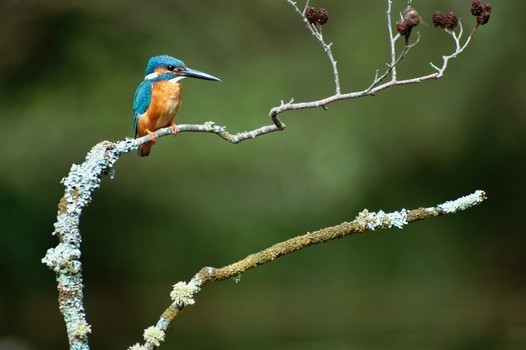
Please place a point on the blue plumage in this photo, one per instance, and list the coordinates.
(141, 101)
(162, 61)
(143, 94)
(162, 83)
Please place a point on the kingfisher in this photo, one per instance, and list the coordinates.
(158, 98)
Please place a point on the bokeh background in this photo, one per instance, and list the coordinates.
(68, 72)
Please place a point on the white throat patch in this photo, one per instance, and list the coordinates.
(177, 79)
(154, 75)
(151, 76)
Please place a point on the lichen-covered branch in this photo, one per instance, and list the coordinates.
(64, 259)
(364, 221)
(183, 293)
(83, 179)
(212, 128)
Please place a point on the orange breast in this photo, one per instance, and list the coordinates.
(165, 102)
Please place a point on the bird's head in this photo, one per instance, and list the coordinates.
(173, 69)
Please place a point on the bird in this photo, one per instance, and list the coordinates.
(158, 98)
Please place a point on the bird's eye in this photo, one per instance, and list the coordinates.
(171, 68)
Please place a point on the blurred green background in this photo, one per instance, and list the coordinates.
(68, 72)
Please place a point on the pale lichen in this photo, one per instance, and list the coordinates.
(153, 335)
(463, 203)
(209, 125)
(81, 329)
(64, 259)
(197, 280)
(182, 294)
(380, 219)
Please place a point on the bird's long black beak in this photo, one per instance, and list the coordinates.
(192, 73)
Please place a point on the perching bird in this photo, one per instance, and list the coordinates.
(159, 97)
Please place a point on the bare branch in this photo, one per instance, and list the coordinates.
(212, 128)
(375, 85)
(316, 32)
(392, 66)
(392, 40)
(459, 47)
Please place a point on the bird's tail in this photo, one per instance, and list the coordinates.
(144, 149)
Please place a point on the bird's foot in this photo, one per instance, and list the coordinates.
(152, 135)
(174, 127)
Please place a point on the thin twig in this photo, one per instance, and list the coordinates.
(392, 40)
(390, 67)
(459, 47)
(375, 86)
(319, 37)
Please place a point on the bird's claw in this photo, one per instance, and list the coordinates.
(152, 135)
(174, 127)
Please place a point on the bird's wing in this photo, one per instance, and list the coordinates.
(141, 101)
